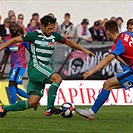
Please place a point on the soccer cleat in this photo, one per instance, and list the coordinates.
(2, 112)
(51, 111)
(85, 113)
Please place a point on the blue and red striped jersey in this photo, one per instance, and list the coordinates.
(123, 47)
(17, 53)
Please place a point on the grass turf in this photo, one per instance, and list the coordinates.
(109, 119)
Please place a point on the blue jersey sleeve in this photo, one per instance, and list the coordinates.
(119, 48)
(26, 45)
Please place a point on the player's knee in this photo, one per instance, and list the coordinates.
(56, 78)
(32, 104)
(59, 79)
(12, 83)
(106, 85)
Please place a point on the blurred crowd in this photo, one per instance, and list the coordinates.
(78, 33)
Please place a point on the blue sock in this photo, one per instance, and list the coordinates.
(12, 93)
(22, 93)
(101, 99)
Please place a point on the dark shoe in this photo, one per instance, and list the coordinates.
(51, 111)
(2, 112)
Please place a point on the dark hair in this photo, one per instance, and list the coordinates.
(130, 22)
(35, 14)
(67, 14)
(120, 18)
(46, 20)
(13, 24)
(111, 26)
(12, 16)
(31, 20)
(20, 15)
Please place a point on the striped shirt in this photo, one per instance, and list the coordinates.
(42, 47)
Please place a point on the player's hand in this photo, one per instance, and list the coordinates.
(88, 52)
(88, 73)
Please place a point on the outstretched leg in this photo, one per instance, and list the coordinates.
(21, 105)
(111, 83)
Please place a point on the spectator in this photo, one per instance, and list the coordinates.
(32, 27)
(67, 28)
(56, 23)
(20, 23)
(10, 13)
(103, 24)
(82, 32)
(113, 18)
(119, 21)
(35, 16)
(21, 16)
(13, 18)
(4, 28)
(97, 32)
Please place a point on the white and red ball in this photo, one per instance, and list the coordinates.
(68, 110)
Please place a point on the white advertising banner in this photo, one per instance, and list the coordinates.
(85, 92)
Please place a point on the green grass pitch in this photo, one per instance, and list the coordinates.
(109, 119)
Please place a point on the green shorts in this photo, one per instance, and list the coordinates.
(38, 77)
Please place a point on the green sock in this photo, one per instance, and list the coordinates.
(22, 105)
(52, 94)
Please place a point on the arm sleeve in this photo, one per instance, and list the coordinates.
(60, 38)
(118, 48)
(29, 36)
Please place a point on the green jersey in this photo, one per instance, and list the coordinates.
(42, 47)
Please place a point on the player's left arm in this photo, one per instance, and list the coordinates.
(10, 42)
(74, 45)
(104, 62)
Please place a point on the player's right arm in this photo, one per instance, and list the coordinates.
(104, 62)
(72, 44)
(10, 42)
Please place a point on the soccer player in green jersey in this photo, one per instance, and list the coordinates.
(42, 44)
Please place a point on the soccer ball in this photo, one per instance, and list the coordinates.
(68, 110)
